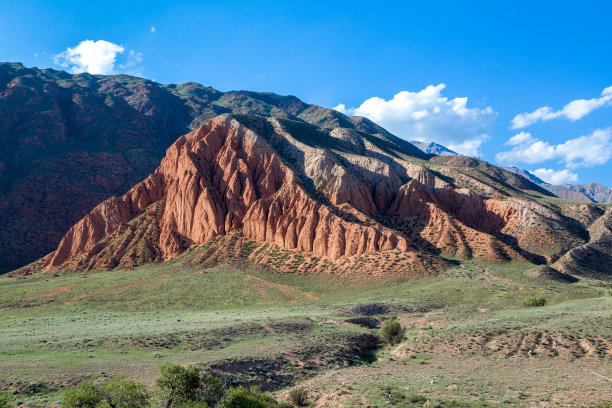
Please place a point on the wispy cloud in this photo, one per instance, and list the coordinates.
(99, 57)
(427, 115)
(573, 111)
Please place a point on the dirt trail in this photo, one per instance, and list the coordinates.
(55, 292)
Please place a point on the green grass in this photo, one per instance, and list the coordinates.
(61, 330)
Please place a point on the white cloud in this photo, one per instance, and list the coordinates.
(556, 176)
(573, 111)
(519, 138)
(98, 57)
(427, 115)
(583, 151)
(153, 29)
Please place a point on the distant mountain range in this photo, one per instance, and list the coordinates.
(434, 148)
(590, 192)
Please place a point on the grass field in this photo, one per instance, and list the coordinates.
(469, 340)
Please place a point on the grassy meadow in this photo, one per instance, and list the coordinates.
(469, 341)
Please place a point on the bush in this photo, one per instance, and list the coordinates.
(118, 393)
(536, 301)
(177, 385)
(252, 398)
(392, 331)
(123, 393)
(298, 397)
(603, 404)
(84, 395)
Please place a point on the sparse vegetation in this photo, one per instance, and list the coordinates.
(157, 313)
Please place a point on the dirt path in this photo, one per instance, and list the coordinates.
(54, 292)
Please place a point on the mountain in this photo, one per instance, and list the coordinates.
(590, 192)
(290, 196)
(524, 173)
(255, 178)
(68, 142)
(433, 148)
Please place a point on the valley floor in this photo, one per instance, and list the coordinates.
(469, 340)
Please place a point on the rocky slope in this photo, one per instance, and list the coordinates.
(291, 196)
(595, 257)
(68, 142)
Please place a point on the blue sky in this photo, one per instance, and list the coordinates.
(419, 59)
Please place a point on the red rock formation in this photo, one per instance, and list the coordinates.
(270, 185)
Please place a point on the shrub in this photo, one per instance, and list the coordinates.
(392, 331)
(603, 404)
(298, 397)
(84, 395)
(117, 393)
(177, 385)
(240, 397)
(536, 301)
(123, 393)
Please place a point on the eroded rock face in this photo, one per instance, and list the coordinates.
(273, 181)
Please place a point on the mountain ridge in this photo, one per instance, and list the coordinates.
(71, 141)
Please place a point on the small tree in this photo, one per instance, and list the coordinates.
(252, 398)
(123, 393)
(84, 395)
(177, 384)
(392, 331)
